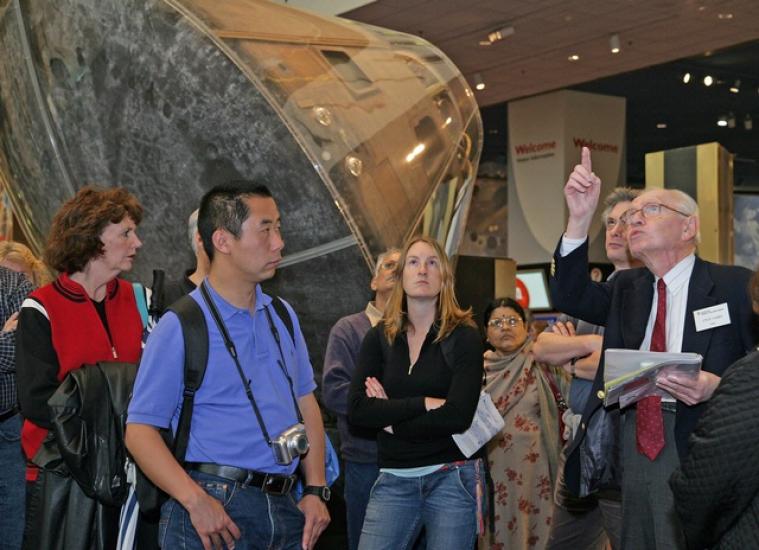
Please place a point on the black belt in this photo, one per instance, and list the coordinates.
(10, 413)
(273, 484)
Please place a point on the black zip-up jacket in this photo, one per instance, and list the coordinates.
(420, 437)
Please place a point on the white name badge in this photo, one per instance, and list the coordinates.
(711, 317)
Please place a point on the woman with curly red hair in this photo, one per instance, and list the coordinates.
(87, 315)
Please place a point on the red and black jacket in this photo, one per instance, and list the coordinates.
(60, 330)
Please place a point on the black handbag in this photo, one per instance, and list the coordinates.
(600, 461)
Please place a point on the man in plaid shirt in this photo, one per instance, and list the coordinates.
(14, 288)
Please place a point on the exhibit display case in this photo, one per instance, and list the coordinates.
(354, 128)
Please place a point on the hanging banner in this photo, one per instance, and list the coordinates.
(546, 134)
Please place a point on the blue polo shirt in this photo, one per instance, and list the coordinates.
(224, 427)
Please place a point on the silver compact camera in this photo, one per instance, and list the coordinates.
(291, 443)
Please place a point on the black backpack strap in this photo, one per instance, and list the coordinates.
(195, 333)
(283, 313)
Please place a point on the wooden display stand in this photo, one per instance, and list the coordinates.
(705, 172)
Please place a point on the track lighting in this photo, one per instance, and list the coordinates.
(500, 34)
(614, 43)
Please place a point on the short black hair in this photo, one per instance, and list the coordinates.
(503, 302)
(223, 207)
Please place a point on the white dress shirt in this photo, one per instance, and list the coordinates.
(677, 280)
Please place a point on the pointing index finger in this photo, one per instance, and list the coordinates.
(586, 162)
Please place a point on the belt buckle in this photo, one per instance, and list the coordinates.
(277, 485)
(248, 478)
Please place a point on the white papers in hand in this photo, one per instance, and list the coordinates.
(630, 375)
(486, 424)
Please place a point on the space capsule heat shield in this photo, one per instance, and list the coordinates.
(363, 135)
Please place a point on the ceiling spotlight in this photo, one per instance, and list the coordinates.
(724, 15)
(708, 80)
(479, 84)
(736, 87)
(614, 43)
(722, 121)
(574, 57)
(731, 120)
(661, 125)
(686, 78)
(748, 122)
(500, 34)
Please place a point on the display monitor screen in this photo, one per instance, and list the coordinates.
(535, 285)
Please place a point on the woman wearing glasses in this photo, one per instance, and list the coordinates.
(418, 382)
(523, 457)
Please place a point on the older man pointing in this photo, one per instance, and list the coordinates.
(651, 308)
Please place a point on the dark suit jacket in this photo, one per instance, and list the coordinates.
(623, 305)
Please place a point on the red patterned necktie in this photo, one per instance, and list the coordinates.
(649, 425)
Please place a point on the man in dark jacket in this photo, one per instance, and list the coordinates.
(576, 345)
(676, 303)
(177, 288)
(359, 453)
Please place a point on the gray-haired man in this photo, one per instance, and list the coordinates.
(359, 453)
(658, 307)
(576, 345)
(175, 289)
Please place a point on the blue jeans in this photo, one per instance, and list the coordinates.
(443, 502)
(359, 479)
(265, 521)
(12, 484)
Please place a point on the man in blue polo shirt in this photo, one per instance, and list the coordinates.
(234, 491)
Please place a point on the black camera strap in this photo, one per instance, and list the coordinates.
(281, 362)
(233, 353)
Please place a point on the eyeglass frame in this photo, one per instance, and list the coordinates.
(628, 214)
(512, 321)
(611, 223)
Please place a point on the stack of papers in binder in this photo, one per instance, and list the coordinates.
(630, 375)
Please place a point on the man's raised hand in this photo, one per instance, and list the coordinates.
(581, 192)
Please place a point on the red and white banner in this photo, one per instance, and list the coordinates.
(546, 134)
